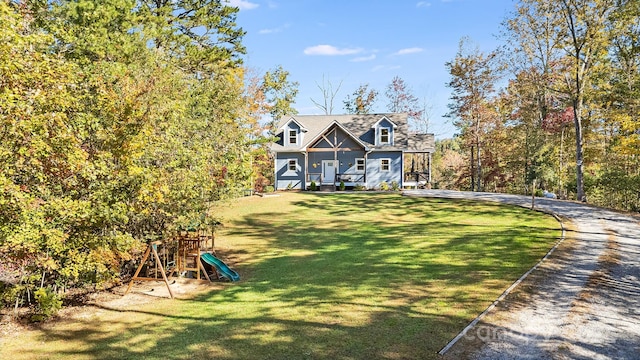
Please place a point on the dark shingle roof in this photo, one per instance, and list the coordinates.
(421, 143)
(360, 126)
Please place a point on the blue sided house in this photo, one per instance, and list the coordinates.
(358, 150)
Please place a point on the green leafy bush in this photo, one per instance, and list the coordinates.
(269, 189)
(48, 304)
(313, 186)
(395, 186)
(342, 186)
(111, 144)
(10, 293)
(384, 186)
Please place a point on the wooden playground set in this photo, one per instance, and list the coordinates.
(187, 254)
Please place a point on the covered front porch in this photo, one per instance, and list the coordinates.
(335, 157)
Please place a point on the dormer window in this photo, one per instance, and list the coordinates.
(385, 137)
(293, 137)
(292, 133)
(384, 131)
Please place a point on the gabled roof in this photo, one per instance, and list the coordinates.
(292, 119)
(384, 118)
(360, 127)
(326, 129)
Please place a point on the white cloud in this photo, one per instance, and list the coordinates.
(242, 4)
(329, 50)
(364, 58)
(423, 4)
(385, 68)
(407, 51)
(273, 30)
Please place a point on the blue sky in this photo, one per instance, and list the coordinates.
(357, 42)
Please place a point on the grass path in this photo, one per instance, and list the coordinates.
(324, 276)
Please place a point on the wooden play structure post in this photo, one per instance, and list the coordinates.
(187, 257)
(189, 249)
(151, 248)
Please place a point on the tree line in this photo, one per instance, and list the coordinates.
(363, 100)
(121, 122)
(555, 108)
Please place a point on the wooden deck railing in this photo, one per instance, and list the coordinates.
(347, 178)
(351, 178)
(316, 177)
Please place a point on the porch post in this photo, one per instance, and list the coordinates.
(336, 165)
(275, 171)
(306, 171)
(366, 162)
(429, 175)
(335, 155)
(402, 173)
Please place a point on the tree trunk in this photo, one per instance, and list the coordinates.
(577, 119)
(561, 189)
(533, 195)
(478, 169)
(473, 172)
(478, 159)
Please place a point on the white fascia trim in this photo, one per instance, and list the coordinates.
(384, 118)
(292, 119)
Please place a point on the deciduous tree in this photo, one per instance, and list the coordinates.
(585, 42)
(121, 122)
(473, 78)
(361, 101)
(402, 100)
(328, 96)
(281, 94)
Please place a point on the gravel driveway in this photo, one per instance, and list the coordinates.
(587, 303)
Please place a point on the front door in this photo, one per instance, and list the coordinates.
(328, 171)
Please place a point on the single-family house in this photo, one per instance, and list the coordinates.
(358, 150)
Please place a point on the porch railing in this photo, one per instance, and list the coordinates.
(315, 177)
(347, 178)
(351, 178)
(417, 179)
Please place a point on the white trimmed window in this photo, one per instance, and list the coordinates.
(360, 165)
(385, 135)
(385, 164)
(293, 137)
(293, 165)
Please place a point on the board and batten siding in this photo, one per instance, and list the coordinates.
(348, 162)
(284, 176)
(374, 174)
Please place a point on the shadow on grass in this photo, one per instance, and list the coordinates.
(355, 276)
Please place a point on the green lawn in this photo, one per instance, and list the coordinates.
(324, 276)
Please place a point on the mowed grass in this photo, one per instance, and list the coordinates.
(324, 276)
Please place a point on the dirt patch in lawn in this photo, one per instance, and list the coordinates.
(141, 293)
